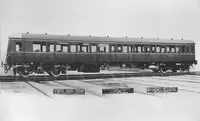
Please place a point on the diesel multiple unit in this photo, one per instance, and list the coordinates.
(54, 54)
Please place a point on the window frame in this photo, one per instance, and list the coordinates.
(20, 48)
(40, 46)
(104, 47)
(139, 48)
(192, 49)
(112, 45)
(153, 50)
(119, 46)
(188, 49)
(70, 47)
(179, 50)
(123, 48)
(163, 49)
(57, 48)
(158, 49)
(131, 49)
(183, 49)
(91, 48)
(148, 49)
(64, 45)
(83, 47)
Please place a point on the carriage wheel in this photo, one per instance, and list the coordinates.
(108, 67)
(24, 72)
(162, 70)
(180, 69)
(155, 70)
(55, 71)
(174, 70)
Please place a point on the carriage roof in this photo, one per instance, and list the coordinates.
(47, 37)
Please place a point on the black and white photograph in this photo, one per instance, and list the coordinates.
(99, 60)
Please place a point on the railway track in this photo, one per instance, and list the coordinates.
(160, 83)
(30, 83)
(166, 81)
(193, 77)
(180, 79)
(94, 76)
(109, 86)
(78, 87)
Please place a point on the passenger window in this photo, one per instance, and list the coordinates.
(158, 49)
(182, 49)
(163, 49)
(113, 48)
(177, 49)
(83, 47)
(132, 49)
(58, 48)
(172, 49)
(139, 48)
(103, 48)
(64, 48)
(39, 47)
(188, 49)
(148, 49)
(168, 49)
(107, 48)
(36, 48)
(125, 49)
(192, 49)
(93, 48)
(18, 46)
(153, 49)
(143, 49)
(73, 48)
(119, 48)
(44, 48)
(51, 48)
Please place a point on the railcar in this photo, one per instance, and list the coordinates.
(55, 54)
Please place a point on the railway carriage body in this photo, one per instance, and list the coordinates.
(54, 53)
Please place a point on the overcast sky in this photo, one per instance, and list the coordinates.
(132, 18)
